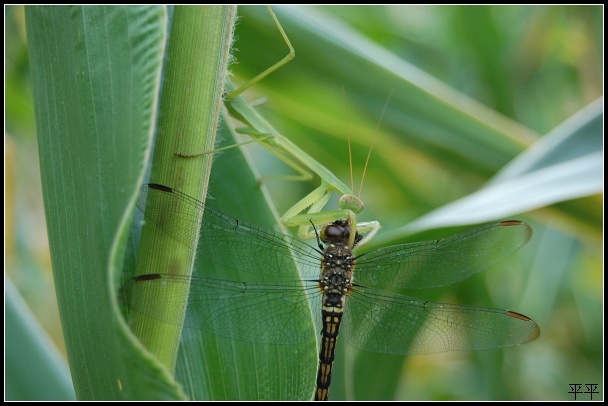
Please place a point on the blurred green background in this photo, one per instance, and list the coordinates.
(534, 65)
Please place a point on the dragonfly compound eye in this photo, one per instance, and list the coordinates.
(334, 232)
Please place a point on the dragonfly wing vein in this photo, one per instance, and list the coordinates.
(261, 250)
(386, 322)
(256, 312)
(442, 262)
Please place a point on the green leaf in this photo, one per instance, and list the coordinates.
(214, 367)
(565, 164)
(194, 76)
(96, 74)
(37, 370)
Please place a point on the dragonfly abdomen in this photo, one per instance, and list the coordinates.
(336, 282)
(329, 334)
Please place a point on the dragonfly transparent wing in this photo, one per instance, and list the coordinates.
(257, 312)
(444, 261)
(263, 251)
(380, 321)
(260, 250)
(374, 320)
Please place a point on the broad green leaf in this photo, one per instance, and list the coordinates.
(565, 164)
(214, 367)
(194, 74)
(580, 136)
(37, 370)
(96, 75)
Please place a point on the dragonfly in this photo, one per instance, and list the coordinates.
(348, 293)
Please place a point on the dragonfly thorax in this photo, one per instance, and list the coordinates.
(337, 268)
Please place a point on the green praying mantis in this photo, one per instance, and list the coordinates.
(307, 214)
(309, 210)
(264, 311)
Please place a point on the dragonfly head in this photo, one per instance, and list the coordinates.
(338, 232)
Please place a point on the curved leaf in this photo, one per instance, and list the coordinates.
(37, 370)
(565, 164)
(95, 73)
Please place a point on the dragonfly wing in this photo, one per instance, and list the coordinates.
(254, 249)
(256, 312)
(386, 322)
(444, 261)
(225, 240)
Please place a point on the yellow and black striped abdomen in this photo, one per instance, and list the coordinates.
(329, 334)
(335, 283)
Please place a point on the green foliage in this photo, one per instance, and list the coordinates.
(479, 86)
